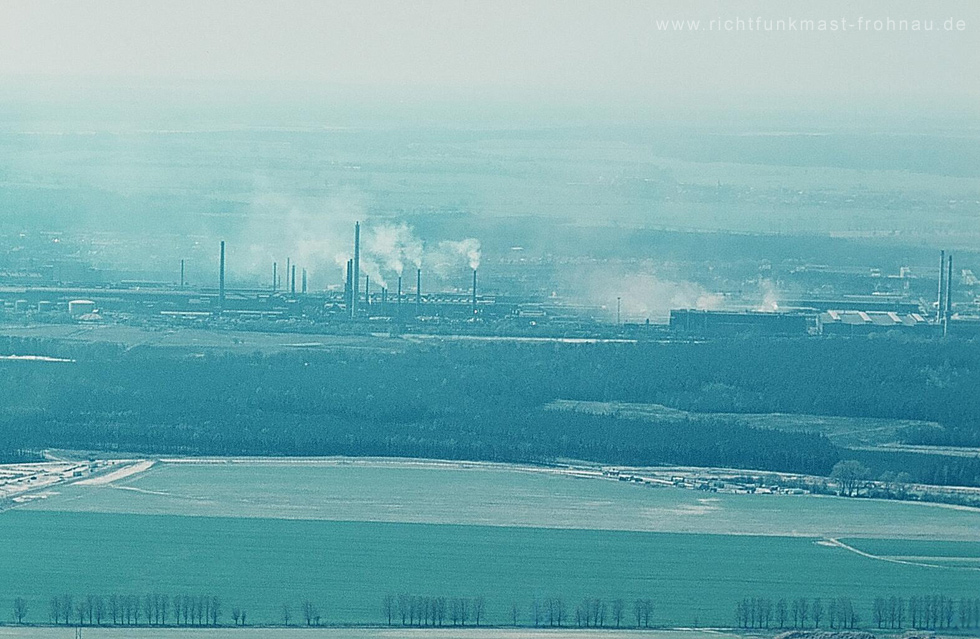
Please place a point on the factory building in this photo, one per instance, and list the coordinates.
(844, 322)
(718, 323)
(881, 303)
(470, 305)
(830, 322)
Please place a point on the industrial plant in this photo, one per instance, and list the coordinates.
(862, 302)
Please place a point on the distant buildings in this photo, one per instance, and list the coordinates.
(715, 323)
(803, 322)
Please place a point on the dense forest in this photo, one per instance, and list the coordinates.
(486, 401)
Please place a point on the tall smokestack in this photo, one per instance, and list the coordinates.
(292, 281)
(384, 297)
(367, 290)
(399, 302)
(474, 291)
(221, 277)
(275, 277)
(348, 287)
(942, 275)
(182, 274)
(418, 292)
(949, 288)
(357, 267)
(287, 273)
(304, 281)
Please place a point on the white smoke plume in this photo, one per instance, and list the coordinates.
(314, 233)
(390, 248)
(318, 234)
(643, 292)
(770, 299)
(449, 256)
(647, 296)
(371, 269)
(470, 247)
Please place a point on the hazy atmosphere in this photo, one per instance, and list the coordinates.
(490, 320)
(609, 59)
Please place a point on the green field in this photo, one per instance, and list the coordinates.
(495, 495)
(344, 535)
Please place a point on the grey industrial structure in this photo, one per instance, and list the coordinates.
(360, 308)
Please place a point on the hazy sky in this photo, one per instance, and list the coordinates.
(604, 47)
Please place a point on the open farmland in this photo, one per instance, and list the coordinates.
(343, 534)
(414, 491)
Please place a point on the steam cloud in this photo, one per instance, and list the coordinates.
(770, 300)
(450, 254)
(644, 294)
(389, 248)
(318, 234)
(469, 248)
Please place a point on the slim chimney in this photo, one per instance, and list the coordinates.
(474, 291)
(348, 289)
(949, 288)
(275, 277)
(398, 303)
(357, 268)
(367, 290)
(384, 297)
(221, 278)
(287, 273)
(418, 292)
(182, 274)
(292, 281)
(942, 275)
(304, 281)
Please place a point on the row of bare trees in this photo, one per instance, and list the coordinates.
(590, 612)
(424, 610)
(596, 613)
(551, 611)
(417, 610)
(928, 612)
(310, 614)
(760, 612)
(153, 609)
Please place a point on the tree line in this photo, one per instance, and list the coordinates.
(424, 610)
(927, 612)
(801, 612)
(918, 612)
(922, 612)
(152, 609)
(554, 612)
(595, 613)
(310, 614)
(486, 401)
